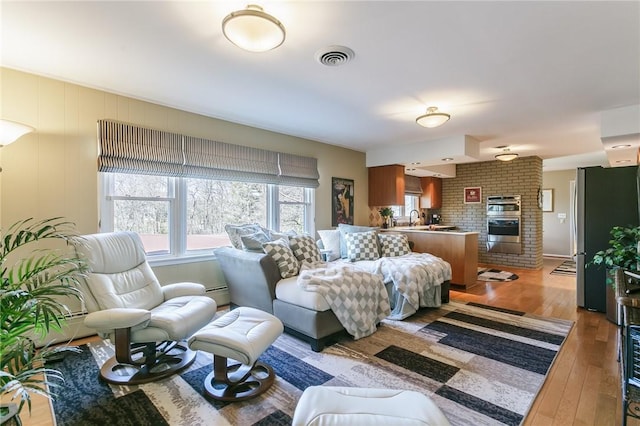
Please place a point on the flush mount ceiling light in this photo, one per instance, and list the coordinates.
(253, 30)
(10, 131)
(433, 118)
(506, 155)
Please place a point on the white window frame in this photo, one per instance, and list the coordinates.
(178, 210)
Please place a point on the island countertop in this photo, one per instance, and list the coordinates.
(426, 229)
(459, 248)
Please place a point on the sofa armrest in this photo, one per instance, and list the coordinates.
(251, 277)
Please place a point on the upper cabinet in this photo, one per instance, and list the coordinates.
(431, 193)
(386, 185)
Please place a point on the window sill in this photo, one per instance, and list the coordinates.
(180, 260)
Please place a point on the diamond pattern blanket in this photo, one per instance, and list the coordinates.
(357, 298)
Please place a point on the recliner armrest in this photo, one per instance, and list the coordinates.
(182, 289)
(111, 319)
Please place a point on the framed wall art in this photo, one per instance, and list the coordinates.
(341, 201)
(547, 200)
(473, 195)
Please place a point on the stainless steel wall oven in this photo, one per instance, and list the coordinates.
(503, 224)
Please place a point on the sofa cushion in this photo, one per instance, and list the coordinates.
(305, 249)
(393, 244)
(253, 242)
(281, 253)
(288, 290)
(331, 241)
(235, 232)
(349, 229)
(362, 246)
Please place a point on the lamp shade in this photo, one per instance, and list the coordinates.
(10, 131)
(433, 118)
(253, 30)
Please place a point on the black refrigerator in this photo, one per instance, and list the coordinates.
(605, 197)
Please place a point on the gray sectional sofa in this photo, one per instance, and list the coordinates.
(253, 279)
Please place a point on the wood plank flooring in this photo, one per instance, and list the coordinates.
(583, 387)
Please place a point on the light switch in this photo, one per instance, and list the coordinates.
(562, 215)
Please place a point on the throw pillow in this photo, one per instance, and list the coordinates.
(236, 231)
(331, 241)
(393, 244)
(305, 249)
(348, 229)
(281, 253)
(362, 246)
(253, 242)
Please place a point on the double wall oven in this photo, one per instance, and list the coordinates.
(503, 224)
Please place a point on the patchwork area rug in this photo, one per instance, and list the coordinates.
(487, 274)
(568, 267)
(480, 365)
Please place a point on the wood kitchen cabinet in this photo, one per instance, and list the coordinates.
(386, 185)
(431, 193)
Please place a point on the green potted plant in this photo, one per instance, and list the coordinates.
(622, 252)
(387, 215)
(33, 282)
(621, 255)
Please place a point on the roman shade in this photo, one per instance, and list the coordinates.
(127, 148)
(412, 185)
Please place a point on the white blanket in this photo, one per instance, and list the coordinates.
(358, 299)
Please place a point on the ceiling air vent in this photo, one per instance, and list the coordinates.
(333, 56)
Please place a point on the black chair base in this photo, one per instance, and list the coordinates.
(118, 373)
(237, 382)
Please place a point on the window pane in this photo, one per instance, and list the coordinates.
(410, 203)
(291, 194)
(139, 185)
(211, 204)
(292, 217)
(150, 219)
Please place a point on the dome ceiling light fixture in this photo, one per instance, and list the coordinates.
(10, 131)
(252, 29)
(433, 118)
(506, 154)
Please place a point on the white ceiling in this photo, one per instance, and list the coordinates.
(534, 76)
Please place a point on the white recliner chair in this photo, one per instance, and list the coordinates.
(148, 323)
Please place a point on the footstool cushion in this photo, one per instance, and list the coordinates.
(328, 405)
(242, 334)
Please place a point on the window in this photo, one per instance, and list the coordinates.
(179, 217)
(411, 202)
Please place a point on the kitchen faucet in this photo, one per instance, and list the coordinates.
(417, 217)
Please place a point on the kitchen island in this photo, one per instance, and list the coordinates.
(458, 248)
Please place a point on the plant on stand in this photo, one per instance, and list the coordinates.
(622, 253)
(34, 281)
(387, 216)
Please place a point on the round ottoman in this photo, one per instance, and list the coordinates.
(328, 405)
(242, 334)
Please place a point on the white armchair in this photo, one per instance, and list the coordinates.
(148, 323)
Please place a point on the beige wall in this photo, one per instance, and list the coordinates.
(556, 231)
(52, 172)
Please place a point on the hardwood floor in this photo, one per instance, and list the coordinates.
(583, 387)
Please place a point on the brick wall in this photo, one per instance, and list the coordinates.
(522, 176)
